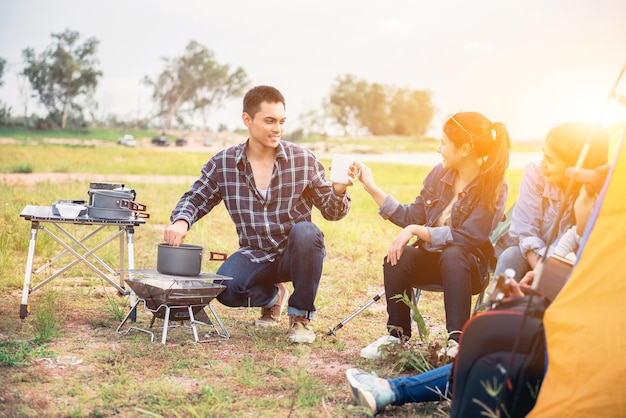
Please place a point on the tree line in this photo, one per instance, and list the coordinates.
(64, 76)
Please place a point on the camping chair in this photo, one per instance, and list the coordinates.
(417, 292)
(499, 231)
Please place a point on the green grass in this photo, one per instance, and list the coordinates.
(50, 158)
(256, 372)
(22, 134)
(47, 321)
(15, 353)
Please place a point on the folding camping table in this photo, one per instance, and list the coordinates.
(42, 218)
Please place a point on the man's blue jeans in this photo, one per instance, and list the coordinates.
(432, 385)
(253, 284)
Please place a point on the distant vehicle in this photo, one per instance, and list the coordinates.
(181, 142)
(160, 141)
(127, 141)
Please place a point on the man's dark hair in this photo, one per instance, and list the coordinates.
(259, 94)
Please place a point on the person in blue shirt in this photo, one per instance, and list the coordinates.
(534, 223)
(461, 202)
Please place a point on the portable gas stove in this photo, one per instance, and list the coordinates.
(174, 298)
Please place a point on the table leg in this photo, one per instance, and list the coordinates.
(24, 311)
(81, 258)
(130, 234)
(77, 243)
(122, 263)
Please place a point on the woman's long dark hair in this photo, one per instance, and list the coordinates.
(490, 141)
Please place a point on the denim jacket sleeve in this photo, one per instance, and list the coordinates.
(472, 222)
(528, 214)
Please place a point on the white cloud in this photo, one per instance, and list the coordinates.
(477, 47)
(396, 26)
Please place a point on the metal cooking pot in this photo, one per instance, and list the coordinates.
(113, 199)
(185, 260)
(114, 213)
(115, 204)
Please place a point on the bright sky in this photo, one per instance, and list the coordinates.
(528, 63)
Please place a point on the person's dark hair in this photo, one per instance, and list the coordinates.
(259, 94)
(490, 141)
(567, 140)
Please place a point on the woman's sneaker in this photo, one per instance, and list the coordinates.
(372, 351)
(369, 391)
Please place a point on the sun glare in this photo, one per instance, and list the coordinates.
(604, 110)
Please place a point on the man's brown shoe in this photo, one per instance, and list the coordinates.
(300, 330)
(270, 317)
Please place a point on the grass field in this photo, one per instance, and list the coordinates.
(66, 359)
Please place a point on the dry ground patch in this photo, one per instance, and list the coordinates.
(91, 370)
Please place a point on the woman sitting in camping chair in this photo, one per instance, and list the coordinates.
(452, 218)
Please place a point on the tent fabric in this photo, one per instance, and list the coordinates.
(586, 324)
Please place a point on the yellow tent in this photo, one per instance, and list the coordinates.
(586, 323)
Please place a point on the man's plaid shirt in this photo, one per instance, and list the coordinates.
(298, 183)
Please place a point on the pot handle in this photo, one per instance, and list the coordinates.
(141, 215)
(213, 255)
(132, 205)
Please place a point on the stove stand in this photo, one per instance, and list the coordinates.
(217, 330)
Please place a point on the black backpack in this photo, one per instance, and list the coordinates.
(496, 373)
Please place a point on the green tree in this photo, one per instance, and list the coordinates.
(381, 109)
(412, 111)
(345, 101)
(373, 112)
(5, 112)
(62, 73)
(194, 83)
(3, 63)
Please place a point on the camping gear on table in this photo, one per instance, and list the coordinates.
(109, 201)
(114, 203)
(185, 260)
(69, 208)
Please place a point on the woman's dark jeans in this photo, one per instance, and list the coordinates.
(253, 284)
(454, 268)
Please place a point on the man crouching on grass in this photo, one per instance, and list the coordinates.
(269, 188)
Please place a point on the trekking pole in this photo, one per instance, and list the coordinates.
(331, 330)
